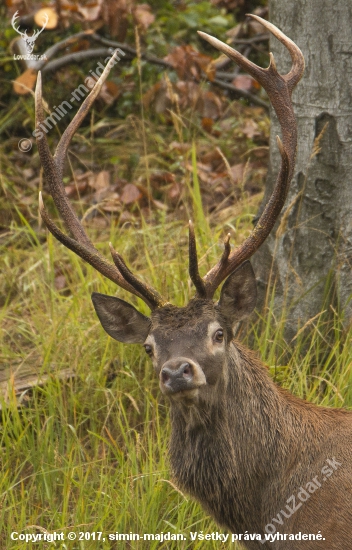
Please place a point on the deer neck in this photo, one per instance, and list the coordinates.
(222, 450)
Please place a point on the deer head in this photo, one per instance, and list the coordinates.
(179, 339)
(29, 40)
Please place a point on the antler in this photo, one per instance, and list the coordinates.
(279, 89)
(79, 241)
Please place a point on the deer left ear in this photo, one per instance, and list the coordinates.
(121, 320)
(239, 294)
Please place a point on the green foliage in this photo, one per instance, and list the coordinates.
(181, 24)
(89, 453)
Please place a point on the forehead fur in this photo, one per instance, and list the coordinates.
(195, 313)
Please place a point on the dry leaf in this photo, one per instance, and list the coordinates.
(251, 129)
(159, 179)
(92, 11)
(109, 92)
(115, 14)
(160, 205)
(40, 17)
(76, 189)
(243, 82)
(99, 181)
(25, 82)
(237, 172)
(207, 124)
(174, 192)
(130, 194)
(60, 282)
(112, 204)
(107, 193)
(190, 64)
(143, 16)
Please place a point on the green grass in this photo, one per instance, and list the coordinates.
(90, 453)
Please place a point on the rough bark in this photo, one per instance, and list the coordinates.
(312, 249)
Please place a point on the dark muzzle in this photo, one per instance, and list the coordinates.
(179, 375)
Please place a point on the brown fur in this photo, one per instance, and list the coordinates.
(245, 446)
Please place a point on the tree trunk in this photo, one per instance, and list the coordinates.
(312, 249)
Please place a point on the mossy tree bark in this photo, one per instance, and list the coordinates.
(310, 253)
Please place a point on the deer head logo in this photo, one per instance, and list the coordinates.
(29, 40)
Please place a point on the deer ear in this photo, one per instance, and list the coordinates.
(121, 320)
(239, 293)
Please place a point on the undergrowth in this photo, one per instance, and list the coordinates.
(85, 450)
(89, 452)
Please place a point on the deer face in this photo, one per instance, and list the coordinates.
(188, 346)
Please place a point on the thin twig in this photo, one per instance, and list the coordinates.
(129, 50)
(240, 93)
(258, 38)
(76, 57)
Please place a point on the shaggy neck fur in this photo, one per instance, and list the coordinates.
(233, 453)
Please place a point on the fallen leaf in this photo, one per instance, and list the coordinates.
(107, 193)
(180, 148)
(115, 15)
(40, 17)
(143, 16)
(189, 63)
(174, 192)
(243, 82)
(237, 172)
(160, 205)
(109, 92)
(111, 205)
(92, 11)
(160, 179)
(130, 193)
(76, 189)
(251, 129)
(25, 82)
(100, 180)
(60, 282)
(207, 124)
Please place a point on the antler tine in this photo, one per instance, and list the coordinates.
(229, 262)
(193, 263)
(65, 140)
(53, 169)
(93, 257)
(294, 76)
(150, 294)
(53, 165)
(279, 89)
(54, 176)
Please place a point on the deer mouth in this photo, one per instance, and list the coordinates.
(180, 377)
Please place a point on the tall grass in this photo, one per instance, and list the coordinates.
(88, 452)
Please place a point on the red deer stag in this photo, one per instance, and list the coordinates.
(266, 465)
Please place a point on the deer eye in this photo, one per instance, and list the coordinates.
(148, 349)
(219, 336)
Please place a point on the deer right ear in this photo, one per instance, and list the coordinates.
(239, 294)
(121, 320)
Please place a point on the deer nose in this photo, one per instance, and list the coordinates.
(180, 374)
(169, 375)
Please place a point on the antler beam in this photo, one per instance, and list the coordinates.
(279, 89)
(79, 241)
